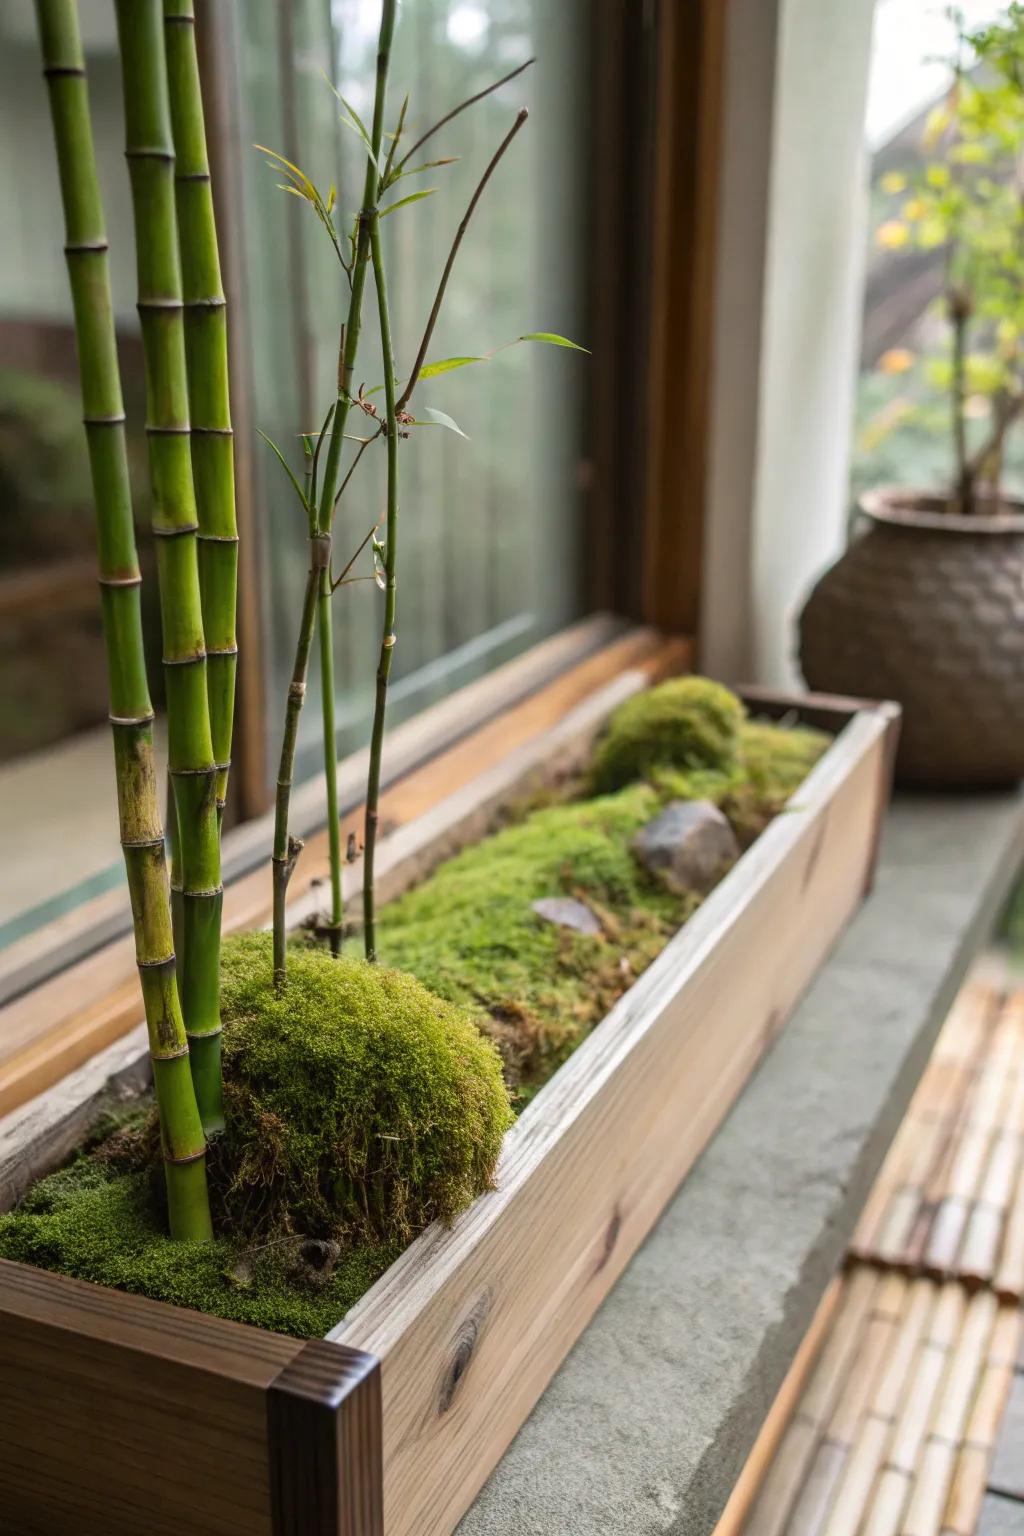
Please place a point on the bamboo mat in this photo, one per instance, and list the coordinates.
(894, 1429)
(949, 1201)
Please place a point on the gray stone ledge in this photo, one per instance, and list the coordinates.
(646, 1426)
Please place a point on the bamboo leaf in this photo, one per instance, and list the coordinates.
(414, 197)
(387, 177)
(553, 340)
(355, 122)
(361, 136)
(444, 421)
(446, 364)
(417, 170)
(306, 187)
(300, 493)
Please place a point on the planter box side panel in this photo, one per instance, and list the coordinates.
(471, 1324)
(120, 1415)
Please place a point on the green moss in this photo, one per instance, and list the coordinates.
(358, 1108)
(687, 723)
(772, 762)
(356, 1104)
(470, 934)
(96, 1222)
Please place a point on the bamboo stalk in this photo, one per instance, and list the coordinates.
(325, 512)
(912, 1425)
(887, 1503)
(395, 414)
(353, 325)
(858, 1478)
(324, 594)
(930, 1490)
(388, 636)
(286, 849)
(967, 1491)
(191, 762)
(1009, 1276)
(131, 713)
(316, 607)
(818, 1493)
(734, 1518)
(206, 355)
(934, 1480)
(966, 1361)
(874, 1348)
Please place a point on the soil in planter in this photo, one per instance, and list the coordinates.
(335, 1151)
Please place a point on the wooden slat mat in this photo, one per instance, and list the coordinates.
(896, 1428)
(949, 1201)
(893, 1428)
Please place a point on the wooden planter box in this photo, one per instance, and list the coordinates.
(119, 1415)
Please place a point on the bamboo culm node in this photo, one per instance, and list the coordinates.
(192, 761)
(131, 714)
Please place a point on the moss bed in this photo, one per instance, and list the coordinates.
(369, 1101)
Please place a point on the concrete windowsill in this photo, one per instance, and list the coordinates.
(646, 1427)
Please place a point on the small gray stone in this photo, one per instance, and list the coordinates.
(567, 912)
(690, 845)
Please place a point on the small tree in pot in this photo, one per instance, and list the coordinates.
(928, 605)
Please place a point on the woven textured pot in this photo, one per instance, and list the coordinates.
(927, 607)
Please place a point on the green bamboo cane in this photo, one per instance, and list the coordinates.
(191, 762)
(361, 260)
(394, 413)
(286, 848)
(330, 740)
(316, 606)
(350, 351)
(131, 713)
(206, 354)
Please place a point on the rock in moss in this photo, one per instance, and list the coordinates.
(472, 932)
(356, 1102)
(688, 723)
(689, 845)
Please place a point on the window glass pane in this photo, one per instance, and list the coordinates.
(490, 557)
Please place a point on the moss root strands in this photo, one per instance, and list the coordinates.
(130, 708)
(191, 761)
(206, 354)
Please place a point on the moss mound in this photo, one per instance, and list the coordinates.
(471, 935)
(687, 723)
(358, 1108)
(98, 1223)
(772, 762)
(355, 1102)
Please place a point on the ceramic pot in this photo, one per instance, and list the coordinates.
(926, 606)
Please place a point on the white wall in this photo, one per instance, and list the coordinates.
(787, 321)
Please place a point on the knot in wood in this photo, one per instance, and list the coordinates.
(466, 1338)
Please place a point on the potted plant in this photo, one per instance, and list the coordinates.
(316, 1280)
(927, 604)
